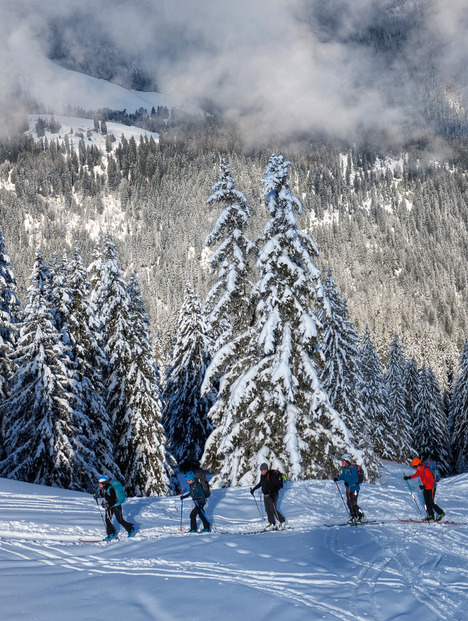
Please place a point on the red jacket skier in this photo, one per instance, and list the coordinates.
(428, 486)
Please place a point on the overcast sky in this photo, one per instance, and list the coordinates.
(274, 65)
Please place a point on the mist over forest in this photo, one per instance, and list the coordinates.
(367, 101)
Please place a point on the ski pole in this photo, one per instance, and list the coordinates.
(100, 512)
(345, 505)
(414, 498)
(181, 511)
(201, 511)
(421, 487)
(260, 513)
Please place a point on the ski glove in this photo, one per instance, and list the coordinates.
(336, 480)
(346, 484)
(252, 491)
(421, 487)
(406, 478)
(104, 504)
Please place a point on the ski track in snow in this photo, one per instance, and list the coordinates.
(379, 572)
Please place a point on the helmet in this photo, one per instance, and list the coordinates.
(103, 478)
(416, 462)
(347, 457)
(189, 476)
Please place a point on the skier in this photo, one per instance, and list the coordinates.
(199, 498)
(428, 486)
(349, 474)
(113, 506)
(270, 489)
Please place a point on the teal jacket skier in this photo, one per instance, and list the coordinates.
(113, 507)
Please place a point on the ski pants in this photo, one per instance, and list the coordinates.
(429, 495)
(353, 507)
(117, 513)
(198, 510)
(270, 501)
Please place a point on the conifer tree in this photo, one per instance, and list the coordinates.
(227, 298)
(185, 410)
(341, 373)
(430, 425)
(459, 414)
(149, 469)
(271, 405)
(81, 330)
(375, 397)
(38, 430)
(394, 381)
(111, 296)
(410, 387)
(8, 319)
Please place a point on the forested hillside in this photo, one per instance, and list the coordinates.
(394, 229)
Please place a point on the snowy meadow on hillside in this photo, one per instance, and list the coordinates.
(379, 572)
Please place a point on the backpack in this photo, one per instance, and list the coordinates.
(200, 477)
(429, 463)
(276, 479)
(360, 474)
(119, 490)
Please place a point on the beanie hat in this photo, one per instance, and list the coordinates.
(264, 466)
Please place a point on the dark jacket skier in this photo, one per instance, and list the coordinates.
(270, 497)
(349, 474)
(198, 496)
(428, 487)
(113, 507)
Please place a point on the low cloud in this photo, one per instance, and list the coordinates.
(275, 67)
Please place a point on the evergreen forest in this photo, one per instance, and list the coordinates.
(194, 302)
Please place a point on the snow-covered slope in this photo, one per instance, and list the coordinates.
(57, 87)
(375, 572)
(77, 128)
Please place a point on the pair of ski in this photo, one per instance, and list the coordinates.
(447, 522)
(410, 521)
(363, 523)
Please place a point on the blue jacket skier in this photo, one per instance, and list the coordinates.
(349, 474)
(198, 496)
(113, 507)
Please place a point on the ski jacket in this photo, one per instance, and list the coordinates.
(110, 495)
(426, 476)
(349, 474)
(266, 486)
(196, 492)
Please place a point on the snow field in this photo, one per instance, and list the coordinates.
(373, 572)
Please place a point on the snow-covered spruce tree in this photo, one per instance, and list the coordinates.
(124, 354)
(81, 332)
(271, 405)
(394, 381)
(410, 387)
(375, 399)
(38, 418)
(430, 434)
(185, 410)
(459, 414)
(8, 319)
(226, 302)
(150, 471)
(341, 373)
